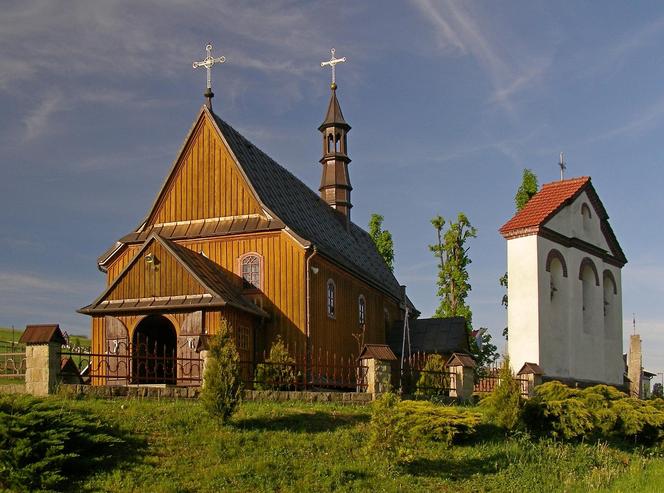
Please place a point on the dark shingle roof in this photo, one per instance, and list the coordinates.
(307, 214)
(432, 335)
(41, 334)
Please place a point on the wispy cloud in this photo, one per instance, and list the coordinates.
(37, 122)
(27, 283)
(462, 31)
(641, 121)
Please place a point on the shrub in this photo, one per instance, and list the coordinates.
(43, 445)
(398, 427)
(278, 371)
(503, 405)
(434, 379)
(221, 384)
(599, 412)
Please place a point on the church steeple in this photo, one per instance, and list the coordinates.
(335, 184)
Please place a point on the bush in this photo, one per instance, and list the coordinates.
(221, 383)
(278, 371)
(43, 445)
(434, 379)
(398, 427)
(599, 412)
(503, 405)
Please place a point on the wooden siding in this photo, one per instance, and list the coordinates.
(120, 263)
(206, 182)
(335, 335)
(168, 279)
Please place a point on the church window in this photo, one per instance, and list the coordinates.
(362, 309)
(251, 271)
(337, 139)
(587, 217)
(243, 335)
(330, 143)
(331, 298)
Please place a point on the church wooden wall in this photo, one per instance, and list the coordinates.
(335, 335)
(207, 183)
(168, 279)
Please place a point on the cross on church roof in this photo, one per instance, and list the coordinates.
(332, 62)
(563, 166)
(208, 62)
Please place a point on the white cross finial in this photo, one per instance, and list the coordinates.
(208, 62)
(562, 165)
(332, 62)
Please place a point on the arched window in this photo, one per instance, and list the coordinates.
(331, 298)
(330, 143)
(587, 217)
(611, 313)
(362, 310)
(251, 271)
(590, 280)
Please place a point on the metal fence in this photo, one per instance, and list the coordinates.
(12, 362)
(319, 371)
(425, 374)
(487, 383)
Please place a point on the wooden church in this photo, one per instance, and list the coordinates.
(234, 236)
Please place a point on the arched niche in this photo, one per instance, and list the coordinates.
(556, 255)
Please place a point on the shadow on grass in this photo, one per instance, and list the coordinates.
(455, 469)
(309, 422)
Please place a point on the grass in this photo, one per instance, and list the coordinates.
(6, 337)
(322, 447)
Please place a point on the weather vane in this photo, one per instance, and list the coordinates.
(208, 62)
(332, 62)
(563, 166)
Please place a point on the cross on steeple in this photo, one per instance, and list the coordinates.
(332, 62)
(208, 62)
(563, 166)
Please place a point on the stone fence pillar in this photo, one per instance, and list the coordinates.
(203, 350)
(532, 373)
(462, 368)
(42, 354)
(378, 359)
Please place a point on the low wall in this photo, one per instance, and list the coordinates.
(143, 392)
(14, 388)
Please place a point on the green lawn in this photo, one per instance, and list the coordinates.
(6, 337)
(322, 447)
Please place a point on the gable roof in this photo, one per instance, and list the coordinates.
(544, 204)
(549, 201)
(288, 204)
(432, 335)
(219, 290)
(41, 334)
(334, 116)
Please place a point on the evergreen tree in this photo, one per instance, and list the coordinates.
(382, 238)
(221, 381)
(452, 254)
(526, 190)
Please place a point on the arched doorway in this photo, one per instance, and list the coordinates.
(154, 351)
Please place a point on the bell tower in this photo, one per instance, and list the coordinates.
(335, 184)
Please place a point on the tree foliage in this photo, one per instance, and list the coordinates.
(453, 260)
(278, 371)
(434, 379)
(382, 238)
(526, 190)
(221, 382)
(485, 352)
(657, 391)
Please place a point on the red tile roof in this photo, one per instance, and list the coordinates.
(544, 204)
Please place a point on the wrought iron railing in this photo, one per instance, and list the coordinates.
(420, 377)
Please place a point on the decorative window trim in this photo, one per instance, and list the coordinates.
(588, 262)
(331, 301)
(609, 274)
(361, 310)
(555, 254)
(261, 276)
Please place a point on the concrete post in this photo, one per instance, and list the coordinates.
(379, 374)
(42, 373)
(532, 373)
(462, 382)
(204, 354)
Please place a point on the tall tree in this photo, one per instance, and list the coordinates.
(382, 238)
(526, 190)
(452, 254)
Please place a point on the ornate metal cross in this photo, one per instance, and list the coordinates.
(208, 62)
(332, 62)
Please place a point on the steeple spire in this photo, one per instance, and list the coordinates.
(335, 184)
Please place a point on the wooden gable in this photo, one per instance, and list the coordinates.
(205, 182)
(166, 276)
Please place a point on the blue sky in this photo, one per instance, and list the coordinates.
(449, 101)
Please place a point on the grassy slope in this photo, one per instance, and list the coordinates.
(6, 336)
(304, 447)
